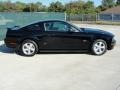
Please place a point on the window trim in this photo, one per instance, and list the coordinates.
(44, 26)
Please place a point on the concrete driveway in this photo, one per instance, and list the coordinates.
(61, 71)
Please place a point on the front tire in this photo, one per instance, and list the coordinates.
(99, 47)
(29, 48)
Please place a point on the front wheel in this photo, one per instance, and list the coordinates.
(29, 48)
(99, 47)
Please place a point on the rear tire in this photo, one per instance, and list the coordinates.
(99, 47)
(29, 48)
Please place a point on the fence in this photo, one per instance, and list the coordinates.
(109, 17)
(11, 19)
(94, 17)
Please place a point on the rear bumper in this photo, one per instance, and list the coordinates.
(10, 42)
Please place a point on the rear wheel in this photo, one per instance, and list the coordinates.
(99, 47)
(29, 48)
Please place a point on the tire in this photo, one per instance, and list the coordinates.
(29, 48)
(99, 47)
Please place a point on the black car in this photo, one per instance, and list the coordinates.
(57, 36)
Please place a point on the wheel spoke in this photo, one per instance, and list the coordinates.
(98, 50)
(29, 52)
(32, 49)
(96, 45)
(100, 43)
(103, 47)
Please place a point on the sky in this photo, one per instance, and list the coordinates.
(47, 2)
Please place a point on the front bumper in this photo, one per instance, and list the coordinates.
(112, 45)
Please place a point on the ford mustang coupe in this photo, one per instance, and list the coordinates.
(57, 36)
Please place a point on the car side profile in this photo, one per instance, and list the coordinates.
(57, 36)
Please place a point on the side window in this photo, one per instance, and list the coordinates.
(56, 26)
(34, 27)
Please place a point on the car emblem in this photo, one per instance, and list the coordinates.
(84, 40)
(44, 43)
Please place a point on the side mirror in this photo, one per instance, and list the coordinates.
(70, 31)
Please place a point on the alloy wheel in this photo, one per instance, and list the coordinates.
(28, 48)
(99, 47)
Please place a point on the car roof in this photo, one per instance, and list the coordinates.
(47, 21)
(53, 20)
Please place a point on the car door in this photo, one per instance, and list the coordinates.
(63, 36)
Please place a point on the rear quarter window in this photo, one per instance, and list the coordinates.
(35, 27)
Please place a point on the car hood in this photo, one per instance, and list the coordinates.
(96, 31)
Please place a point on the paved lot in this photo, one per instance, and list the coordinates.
(61, 71)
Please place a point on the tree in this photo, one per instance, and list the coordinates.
(34, 7)
(8, 6)
(118, 2)
(56, 7)
(89, 7)
(31, 7)
(75, 7)
(1, 6)
(99, 9)
(27, 8)
(108, 4)
(41, 7)
(80, 7)
(20, 6)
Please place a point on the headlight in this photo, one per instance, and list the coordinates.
(113, 41)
